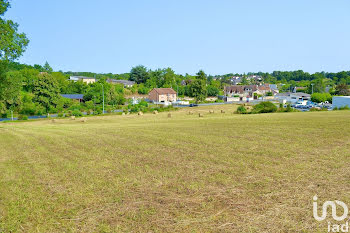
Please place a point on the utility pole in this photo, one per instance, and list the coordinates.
(312, 85)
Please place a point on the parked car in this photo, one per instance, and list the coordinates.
(193, 105)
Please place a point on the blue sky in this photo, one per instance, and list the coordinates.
(218, 36)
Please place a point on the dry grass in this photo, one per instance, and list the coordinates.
(219, 173)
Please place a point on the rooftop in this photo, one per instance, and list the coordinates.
(122, 81)
(164, 91)
(73, 96)
(81, 77)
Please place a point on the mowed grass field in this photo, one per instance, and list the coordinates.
(150, 173)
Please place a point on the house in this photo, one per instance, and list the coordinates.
(86, 80)
(247, 91)
(75, 97)
(264, 89)
(162, 95)
(291, 97)
(235, 80)
(341, 101)
(125, 83)
(274, 88)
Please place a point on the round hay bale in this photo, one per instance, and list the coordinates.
(169, 115)
(123, 114)
(83, 120)
(53, 120)
(190, 113)
(211, 111)
(72, 117)
(140, 113)
(222, 111)
(200, 115)
(155, 112)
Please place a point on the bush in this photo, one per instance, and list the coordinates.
(60, 114)
(40, 110)
(143, 103)
(142, 90)
(241, 110)
(53, 111)
(22, 117)
(69, 113)
(344, 108)
(264, 107)
(289, 108)
(77, 113)
(321, 97)
(28, 109)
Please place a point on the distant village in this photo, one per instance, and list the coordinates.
(234, 93)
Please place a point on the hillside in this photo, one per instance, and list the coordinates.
(151, 173)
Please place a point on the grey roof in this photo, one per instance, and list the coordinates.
(122, 81)
(73, 96)
(273, 86)
(301, 94)
(82, 77)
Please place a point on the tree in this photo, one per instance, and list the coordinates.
(198, 87)
(12, 43)
(244, 81)
(342, 89)
(212, 90)
(318, 84)
(10, 90)
(139, 74)
(29, 78)
(201, 75)
(169, 78)
(46, 91)
(321, 97)
(47, 68)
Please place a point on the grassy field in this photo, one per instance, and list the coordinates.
(151, 173)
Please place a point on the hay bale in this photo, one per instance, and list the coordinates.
(190, 113)
(140, 113)
(155, 112)
(128, 113)
(200, 115)
(83, 120)
(123, 114)
(72, 117)
(53, 120)
(211, 111)
(169, 115)
(222, 111)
